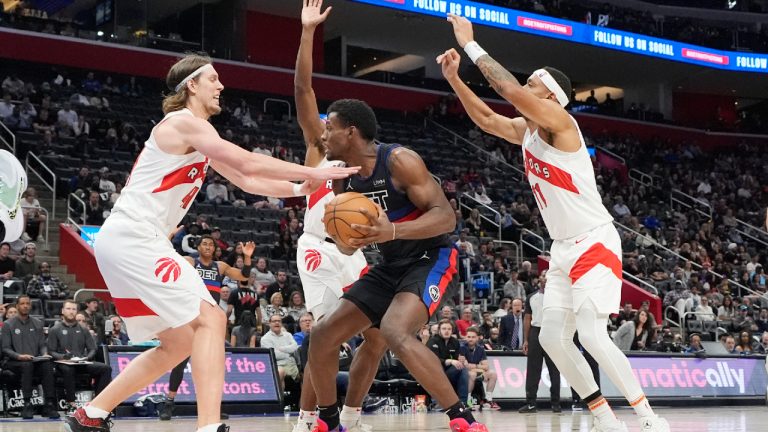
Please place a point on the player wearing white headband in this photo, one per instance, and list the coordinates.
(585, 274)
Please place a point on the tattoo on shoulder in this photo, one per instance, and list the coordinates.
(494, 72)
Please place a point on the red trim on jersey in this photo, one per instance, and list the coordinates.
(362, 273)
(446, 279)
(186, 174)
(317, 196)
(131, 307)
(410, 216)
(549, 173)
(597, 254)
(213, 288)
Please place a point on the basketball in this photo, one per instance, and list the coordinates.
(343, 211)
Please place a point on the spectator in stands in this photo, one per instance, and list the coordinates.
(44, 122)
(242, 299)
(190, 241)
(680, 292)
(625, 314)
(224, 299)
(511, 326)
(503, 309)
(474, 223)
(91, 84)
(743, 321)
(24, 346)
(284, 346)
(487, 323)
(10, 311)
(94, 210)
(216, 192)
(727, 310)
(67, 340)
(7, 265)
(761, 322)
(477, 367)
(264, 277)
(514, 288)
(280, 285)
(80, 182)
(591, 99)
(132, 88)
(33, 216)
(694, 345)
(730, 345)
(216, 234)
(13, 85)
(67, 116)
(286, 247)
(448, 350)
(275, 307)
(446, 313)
(47, 286)
(261, 147)
(94, 317)
(509, 225)
(704, 311)
(620, 210)
(636, 334)
(306, 321)
(296, 306)
(492, 343)
(6, 106)
(464, 322)
(762, 347)
(117, 336)
(499, 273)
(746, 344)
(246, 334)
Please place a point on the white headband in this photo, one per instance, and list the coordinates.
(552, 85)
(195, 73)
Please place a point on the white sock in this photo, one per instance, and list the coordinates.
(603, 411)
(213, 427)
(350, 415)
(642, 407)
(489, 396)
(308, 417)
(93, 412)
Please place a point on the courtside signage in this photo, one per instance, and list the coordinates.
(510, 19)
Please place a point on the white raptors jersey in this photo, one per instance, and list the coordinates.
(313, 216)
(162, 186)
(564, 187)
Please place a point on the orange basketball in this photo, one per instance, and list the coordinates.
(343, 211)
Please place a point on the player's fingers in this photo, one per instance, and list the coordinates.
(363, 229)
(327, 11)
(371, 217)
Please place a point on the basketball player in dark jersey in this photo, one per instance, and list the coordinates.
(212, 273)
(419, 268)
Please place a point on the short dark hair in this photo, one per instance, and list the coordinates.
(354, 112)
(91, 299)
(5, 244)
(561, 79)
(204, 237)
(474, 330)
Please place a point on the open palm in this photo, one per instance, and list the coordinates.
(310, 13)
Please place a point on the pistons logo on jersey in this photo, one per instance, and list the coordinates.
(312, 259)
(167, 269)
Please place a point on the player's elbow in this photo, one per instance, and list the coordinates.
(448, 220)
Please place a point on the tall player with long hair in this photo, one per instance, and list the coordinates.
(584, 277)
(323, 269)
(157, 292)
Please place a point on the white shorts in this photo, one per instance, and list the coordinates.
(587, 266)
(325, 272)
(152, 286)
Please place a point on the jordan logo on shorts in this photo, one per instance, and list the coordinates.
(312, 258)
(166, 268)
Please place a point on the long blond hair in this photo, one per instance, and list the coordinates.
(175, 101)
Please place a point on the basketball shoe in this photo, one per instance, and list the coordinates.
(321, 426)
(617, 426)
(359, 426)
(80, 422)
(461, 425)
(653, 424)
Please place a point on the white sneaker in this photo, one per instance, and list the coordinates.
(25, 237)
(359, 426)
(653, 424)
(302, 426)
(617, 426)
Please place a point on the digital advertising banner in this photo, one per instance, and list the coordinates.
(510, 19)
(249, 377)
(659, 377)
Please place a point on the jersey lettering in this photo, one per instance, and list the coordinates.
(208, 274)
(379, 197)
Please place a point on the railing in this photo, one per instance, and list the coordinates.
(644, 284)
(612, 154)
(50, 185)
(278, 101)
(482, 216)
(524, 242)
(7, 132)
(485, 153)
(691, 202)
(757, 234)
(70, 220)
(640, 177)
(511, 245)
(47, 224)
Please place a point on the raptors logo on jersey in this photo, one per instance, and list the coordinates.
(312, 259)
(563, 184)
(167, 269)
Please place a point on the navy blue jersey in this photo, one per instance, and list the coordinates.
(211, 277)
(379, 189)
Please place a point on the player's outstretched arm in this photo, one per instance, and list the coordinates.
(410, 175)
(201, 135)
(306, 103)
(544, 112)
(266, 187)
(509, 129)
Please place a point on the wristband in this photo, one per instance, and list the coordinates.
(394, 231)
(474, 51)
(297, 189)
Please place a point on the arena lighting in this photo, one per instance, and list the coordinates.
(732, 4)
(511, 19)
(99, 33)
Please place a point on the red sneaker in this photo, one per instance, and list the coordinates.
(80, 422)
(461, 425)
(321, 426)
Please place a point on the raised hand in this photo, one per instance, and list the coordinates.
(310, 13)
(332, 173)
(449, 61)
(462, 29)
(248, 248)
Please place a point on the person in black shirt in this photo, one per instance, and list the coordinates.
(419, 262)
(27, 355)
(68, 340)
(448, 350)
(7, 265)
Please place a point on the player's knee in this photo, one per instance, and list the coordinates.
(395, 338)
(375, 343)
(549, 338)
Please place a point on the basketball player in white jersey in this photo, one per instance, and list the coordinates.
(156, 291)
(584, 278)
(323, 269)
